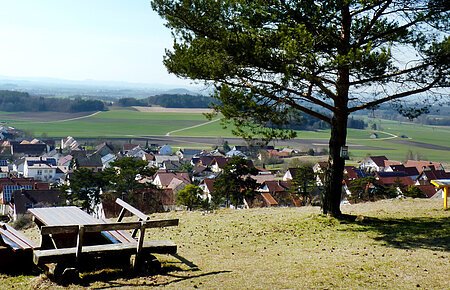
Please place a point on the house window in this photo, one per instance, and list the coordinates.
(39, 172)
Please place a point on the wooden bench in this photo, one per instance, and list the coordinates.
(125, 246)
(15, 250)
(15, 239)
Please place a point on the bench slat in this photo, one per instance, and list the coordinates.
(67, 229)
(119, 236)
(132, 209)
(58, 255)
(17, 238)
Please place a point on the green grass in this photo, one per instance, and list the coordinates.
(115, 123)
(394, 244)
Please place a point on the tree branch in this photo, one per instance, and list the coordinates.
(387, 76)
(394, 97)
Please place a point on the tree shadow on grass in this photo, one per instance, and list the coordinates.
(406, 233)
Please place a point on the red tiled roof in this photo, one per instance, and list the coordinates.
(350, 172)
(436, 174)
(268, 198)
(428, 190)
(378, 160)
(391, 162)
(397, 167)
(221, 161)
(420, 165)
(209, 182)
(128, 146)
(261, 178)
(167, 177)
(274, 186)
(391, 180)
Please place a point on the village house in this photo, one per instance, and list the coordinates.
(187, 154)
(40, 168)
(29, 149)
(427, 175)
(278, 191)
(91, 162)
(165, 150)
(387, 179)
(207, 186)
(424, 165)
(25, 199)
(69, 144)
(136, 152)
(159, 160)
(408, 171)
(373, 163)
(104, 149)
(107, 160)
(173, 180)
(233, 153)
(9, 185)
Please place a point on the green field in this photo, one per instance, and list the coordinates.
(129, 123)
(116, 123)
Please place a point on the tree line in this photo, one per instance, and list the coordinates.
(301, 121)
(12, 101)
(169, 101)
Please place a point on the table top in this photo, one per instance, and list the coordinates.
(64, 215)
(441, 182)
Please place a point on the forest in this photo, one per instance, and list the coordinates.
(169, 101)
(13, 101)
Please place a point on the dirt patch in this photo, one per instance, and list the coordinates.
(172, 110)
(44, 116)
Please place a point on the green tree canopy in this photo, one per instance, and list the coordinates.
(127, 175)
(303, 182)
(84, 189)
(189, 196)
(234, 182)
(325, 58)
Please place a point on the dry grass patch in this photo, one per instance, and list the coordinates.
(396, 244)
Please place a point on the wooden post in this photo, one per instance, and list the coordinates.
(444, 184)
(446, 197)
(138, 260)
(79, 242)
(121, 215)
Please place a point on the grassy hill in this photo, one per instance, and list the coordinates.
(395, 244)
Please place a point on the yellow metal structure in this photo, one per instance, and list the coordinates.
(445, 185)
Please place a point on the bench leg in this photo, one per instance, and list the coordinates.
(148, 264)
(63, 273)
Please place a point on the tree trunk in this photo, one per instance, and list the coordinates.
(334, 173)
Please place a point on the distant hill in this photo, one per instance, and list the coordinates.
(102, 89)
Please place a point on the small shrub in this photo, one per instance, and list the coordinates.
(22, 222)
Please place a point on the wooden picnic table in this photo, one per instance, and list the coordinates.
(70, 236)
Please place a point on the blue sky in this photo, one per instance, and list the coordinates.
(109, 40)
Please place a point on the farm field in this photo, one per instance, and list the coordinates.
(395, 139)
(394, 244)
